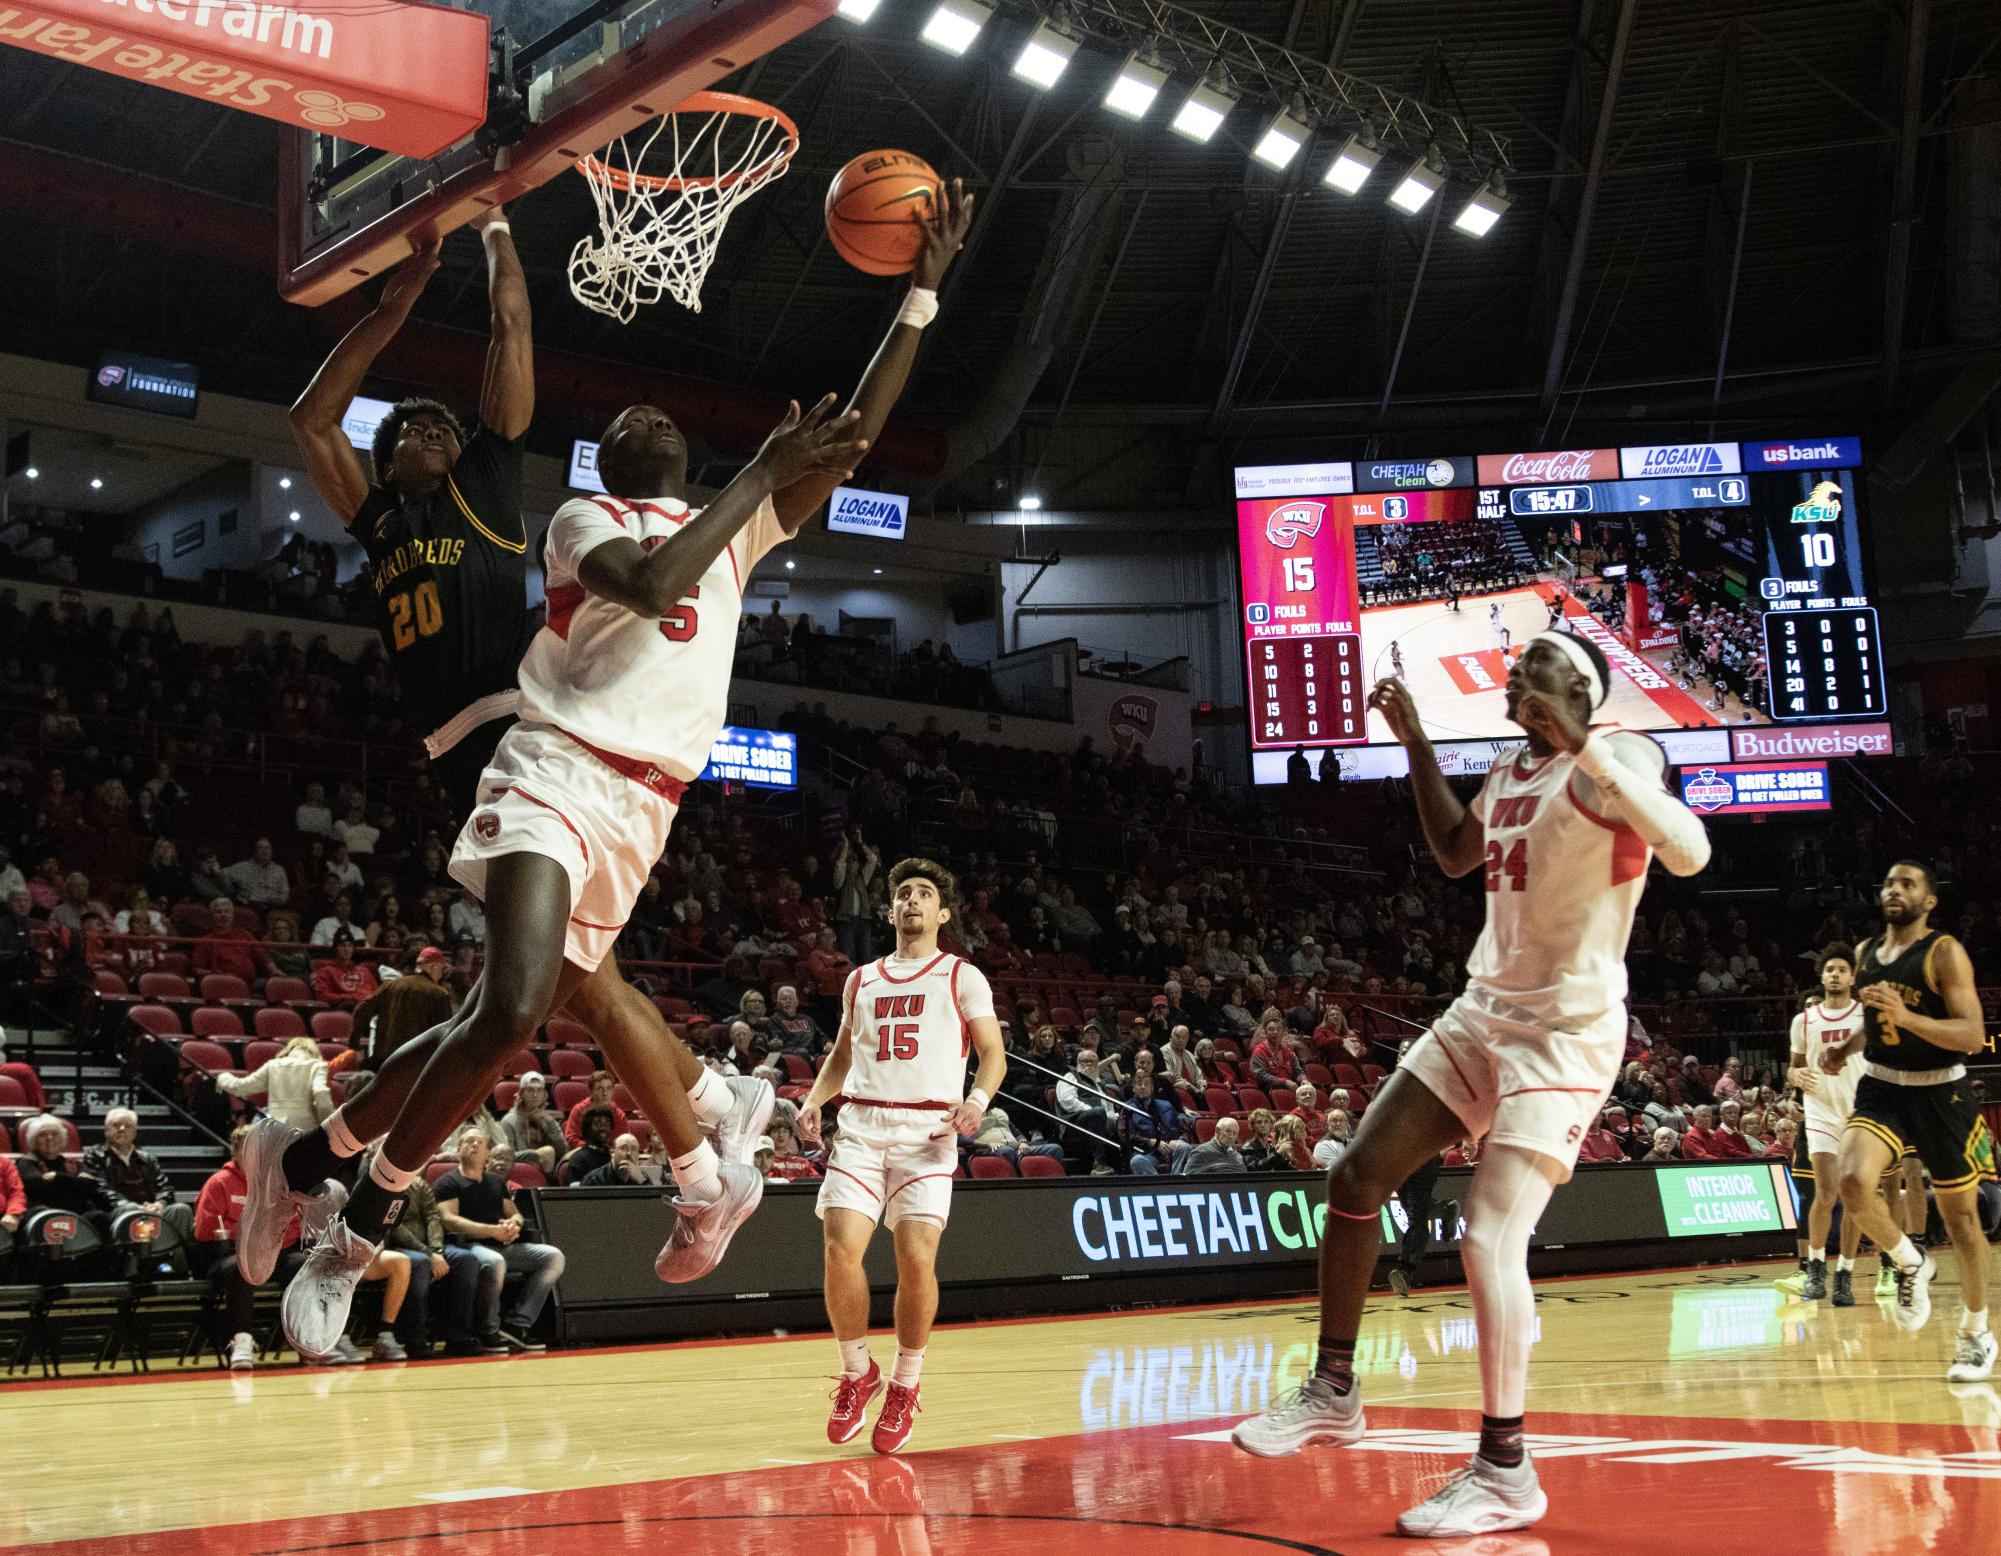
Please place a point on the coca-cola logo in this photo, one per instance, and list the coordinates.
(1549, 467)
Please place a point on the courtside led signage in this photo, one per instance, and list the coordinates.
(143, 384)
(1726, 1197)
(762, 758)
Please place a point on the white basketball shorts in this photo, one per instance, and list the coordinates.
(545, 794)
(1518, 1081)
(886, 1166)
(1827, 1109)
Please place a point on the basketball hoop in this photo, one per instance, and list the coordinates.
(658, 229)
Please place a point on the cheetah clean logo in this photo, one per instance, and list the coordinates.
(1284, 526)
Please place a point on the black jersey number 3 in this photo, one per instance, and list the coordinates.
(415, 613)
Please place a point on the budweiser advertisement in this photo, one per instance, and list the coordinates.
(1817, 741)
(406, 78)
(1547, 469)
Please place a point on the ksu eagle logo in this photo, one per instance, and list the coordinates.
(1284, 526)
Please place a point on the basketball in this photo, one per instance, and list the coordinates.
(873, 206)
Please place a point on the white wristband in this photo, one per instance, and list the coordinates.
(978, 1098)
(1597, 759)
(492, 227)
(919, 308)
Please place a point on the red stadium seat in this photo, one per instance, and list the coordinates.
(289, 991)
(260, 1052)
(1065, 1018)
(163, 986)
(622, 1098)
(1320, 1076)
(1284, 1098)
(797, 1070)
(332, 1051)
(1251, 1098)
(6, 1140)
(1226, 1048)
(1219, 1100)
(1347, 1075)
(216, 1021)
(1205, 1130)
(1373, 1075)
(333, 1026)
(188, 920)
(177, 962)
(504, 1095)
(109, 983)
(205, 1056)
(1043, 1167)
(526, 1175)
(156, 1019)
(565, 1033)
(437, 1170)
(222, 987)
(523, 1061)
(993, 1167)
(567, 1064)
(278, 1021)
(12, 1094)
(673, 1007)
(568, 1094)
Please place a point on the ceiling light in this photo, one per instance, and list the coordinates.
(790, 564)
(1414, 191)
(284, 483)
(96, 484)
(878, 572)
(31, 473)
(955, 24)
(1203, 111)
(1352, 165)
(1477, 217)
(1281, 141)
(293, 515)
(1031, 505)
(858, 10)
(1137, 85)
(1044, 57)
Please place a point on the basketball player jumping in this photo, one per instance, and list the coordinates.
(907, 1022)
(1921, 1019)
(1564, 831)
(1832, 1021)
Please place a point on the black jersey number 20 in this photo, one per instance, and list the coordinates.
(415, 613)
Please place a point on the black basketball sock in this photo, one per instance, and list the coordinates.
(1501, 1440)
(372, 1210)
(1335, 1362)
(309, 1161)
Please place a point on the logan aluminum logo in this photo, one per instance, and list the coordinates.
(1284, 526)
(856, 512)
(1670, 459)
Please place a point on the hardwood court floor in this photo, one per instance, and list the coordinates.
(1670, 1410)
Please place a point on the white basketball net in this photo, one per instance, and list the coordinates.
(658, 229)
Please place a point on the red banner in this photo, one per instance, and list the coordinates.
(406, 78)
(1548, 469)
(1644, 628)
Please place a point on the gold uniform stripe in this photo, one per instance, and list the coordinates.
(1881, 1132)
(473, 519)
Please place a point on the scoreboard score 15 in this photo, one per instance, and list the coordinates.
(1302, 613)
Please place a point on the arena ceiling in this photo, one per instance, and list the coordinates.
(1157, 308)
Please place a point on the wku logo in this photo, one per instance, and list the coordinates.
(487, 825)
(1132, 721)
(1518, 810)
(898, 1007)
(1284, 526)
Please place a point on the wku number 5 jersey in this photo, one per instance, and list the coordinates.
(652, 688)
(1563, 882)
(909, 1021)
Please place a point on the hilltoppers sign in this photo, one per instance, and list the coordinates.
(406, 78)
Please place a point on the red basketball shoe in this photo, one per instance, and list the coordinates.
(852, 1396)
(899, 1415)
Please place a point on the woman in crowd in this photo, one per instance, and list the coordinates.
(294, 1083)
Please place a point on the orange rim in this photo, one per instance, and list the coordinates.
(708, 103)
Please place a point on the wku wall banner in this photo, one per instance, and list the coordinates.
(406, 78)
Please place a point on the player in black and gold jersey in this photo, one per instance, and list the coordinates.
(1921, 1019)
(439, 515)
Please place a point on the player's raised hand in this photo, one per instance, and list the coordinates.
(944, 235)
(809, 1125)
(1549, 717)
(1392, 699)
(813, 443)
(962, 1120)
(406, 285)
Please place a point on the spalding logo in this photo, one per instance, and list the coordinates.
(1284, 526)
(487, 825)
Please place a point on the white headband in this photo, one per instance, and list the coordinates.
(1568, 645)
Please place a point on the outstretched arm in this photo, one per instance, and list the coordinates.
(331, 461)
(1456, 836)
(882, 385)
(507, 397)
(1630, 783)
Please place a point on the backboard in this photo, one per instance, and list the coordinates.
(566, 77)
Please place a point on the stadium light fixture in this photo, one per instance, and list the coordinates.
(1282, 140)
(858, 10)
(1031, 505)
(1415, 189)
(1489, 203)
(97, 483)
(955, 24)
(1352, 165)
(284, 483)
(878, 572)
(1135, 87)
(31, 473)
(1202, 112)
(790, 565)
(1045, 56)
(293, 515)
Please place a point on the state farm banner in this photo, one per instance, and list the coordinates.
(1546, 469)
(405, 78)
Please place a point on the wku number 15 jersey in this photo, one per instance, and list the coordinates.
(1563, 882)
(909, 1023)
(655, 689)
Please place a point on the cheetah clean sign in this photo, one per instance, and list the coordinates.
(407, 78)
(883, 515)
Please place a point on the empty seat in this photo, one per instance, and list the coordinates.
(526, 1175)
(993, 1167)
(216, 1021)
(206, 1056)
(1284, 1098)
(278, 1022)
(1251, 1098)
(1047, 1166)
(1320, 1076)
(565, 1033)
(1219, 1100)
(504, 1095)
(523, 1061)
(162, 986)
(568, 1094)
(188, 920)
(437, 1170)
(621, 1098)
(259, 1053)
(333, 1026)
(157, 1019)
(569, 1064)
(1205, 1130)
(288, 991)
(1348, 1075)
(223, 987)
(12, 1093)
(110, 984)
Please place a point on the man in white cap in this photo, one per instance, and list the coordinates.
(1563, 829)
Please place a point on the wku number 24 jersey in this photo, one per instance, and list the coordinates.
(655, 689)
(1563, 883)
(909, 1023)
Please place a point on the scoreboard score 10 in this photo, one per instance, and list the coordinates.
(1308, 690)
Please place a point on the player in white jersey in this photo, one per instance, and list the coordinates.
(1563, 830)
(1827, 1025)
(908, 1022)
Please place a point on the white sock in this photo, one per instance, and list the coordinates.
(695, 1173)
(1816, 1256)
(393, 1178)
(1906, 1255)
(711, 1098)
(908, 1365)
(1843, 1263)
(1971, 1322)
(854, 1357)
(341, 1138)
